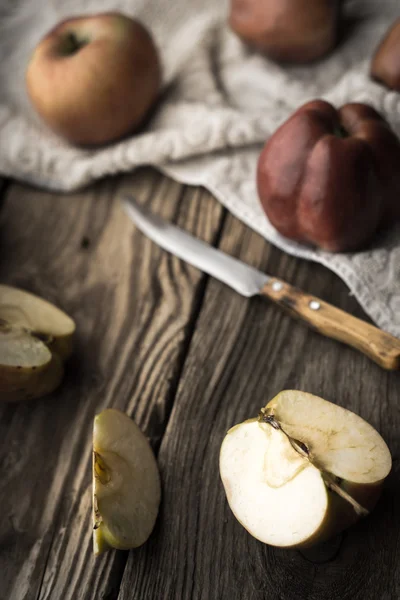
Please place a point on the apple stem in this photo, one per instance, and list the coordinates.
(72, 43)
(341, 132)
(270, 419)
(267, 417)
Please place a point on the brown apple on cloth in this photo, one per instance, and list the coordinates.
(385, 66)
(95, 78)
(296, 31)
(331, 177)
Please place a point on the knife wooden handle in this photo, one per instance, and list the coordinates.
(335, 323)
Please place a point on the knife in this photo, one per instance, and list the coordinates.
(325, 318)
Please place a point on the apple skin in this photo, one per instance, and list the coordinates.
(35, 323)
(339, 514)
(126, 483)
(385, 66)
(296, 31)
(94, 78)
(18, 385)
(323, 431)
(329, 177)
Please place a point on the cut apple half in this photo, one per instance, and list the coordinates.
(35, 340)
(126, 483)
(302, 471)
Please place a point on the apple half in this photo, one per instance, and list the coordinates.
(126, 483)
(302, 471)
(36, 338)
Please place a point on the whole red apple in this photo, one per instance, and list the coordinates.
(331, 177)
(295, 31)
(94, 79)
(385, 65)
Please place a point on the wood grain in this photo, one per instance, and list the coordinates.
(135, 309)
(335, 323)
(242, 353)
(188, 358)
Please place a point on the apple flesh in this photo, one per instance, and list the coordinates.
(126, 483)
(36, 338)
(304, 470)
(95, 78)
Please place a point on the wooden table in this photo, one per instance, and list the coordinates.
(187, 358)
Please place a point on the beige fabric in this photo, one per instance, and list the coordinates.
(221, 102)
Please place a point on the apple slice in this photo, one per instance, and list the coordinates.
(126, 483)
(35, 340)
(304, 470)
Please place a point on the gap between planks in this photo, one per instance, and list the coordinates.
(38, 271)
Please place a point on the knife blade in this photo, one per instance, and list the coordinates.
(243, 278)
(327, 319)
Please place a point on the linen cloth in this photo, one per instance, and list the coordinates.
(221, 101)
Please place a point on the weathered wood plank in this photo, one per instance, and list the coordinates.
(242, 353)
(135, 309)
(4, 183)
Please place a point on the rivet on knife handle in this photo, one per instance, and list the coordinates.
(248, 281)
(335, 323)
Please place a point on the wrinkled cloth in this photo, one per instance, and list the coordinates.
(221, 101)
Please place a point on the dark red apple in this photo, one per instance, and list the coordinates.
(331, 177)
